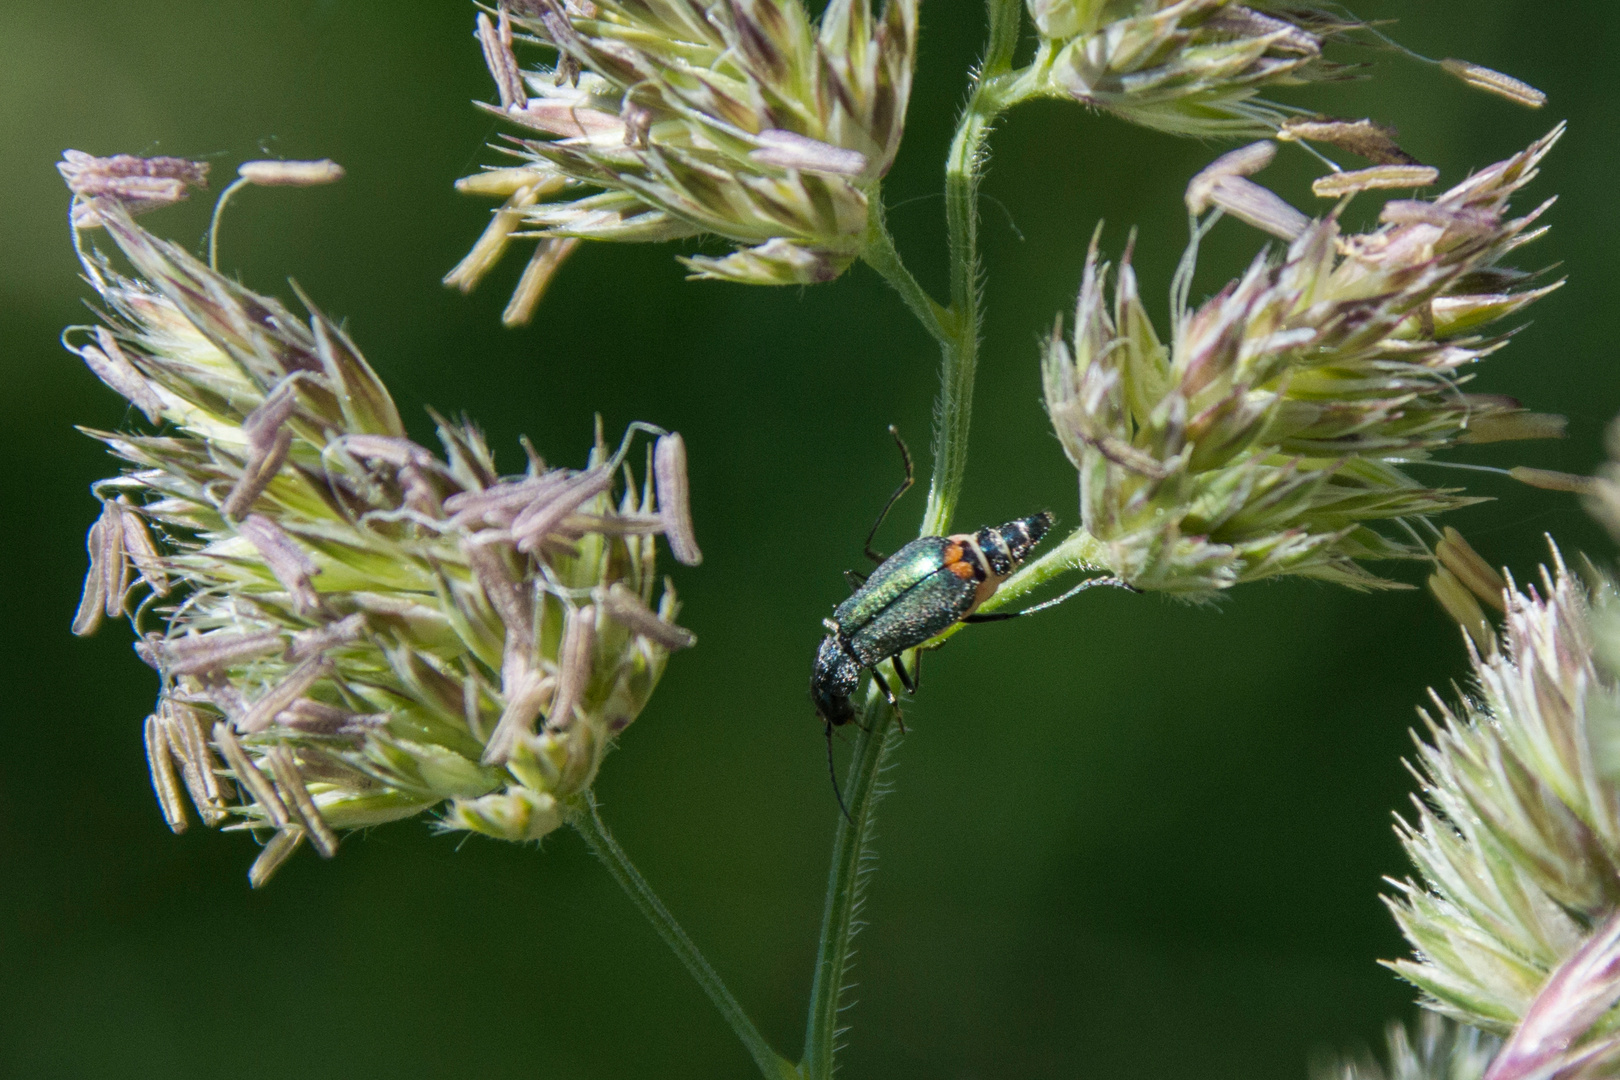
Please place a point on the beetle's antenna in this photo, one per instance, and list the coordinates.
(905, 456)
(1088, 583)
(832, 770)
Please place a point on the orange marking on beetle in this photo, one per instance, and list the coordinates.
(956, 563)
(977, 568)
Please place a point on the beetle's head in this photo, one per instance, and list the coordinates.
(832, 682)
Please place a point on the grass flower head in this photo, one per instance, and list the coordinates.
(662, 119)
(1516, 838)
(1267, 436)
(353, 628)
(1186, 67)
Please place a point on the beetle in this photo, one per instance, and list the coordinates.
(918, 592)
(915, 594)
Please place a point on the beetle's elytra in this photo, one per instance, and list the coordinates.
(916, 593)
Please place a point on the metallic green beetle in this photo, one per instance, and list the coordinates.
(922, 590)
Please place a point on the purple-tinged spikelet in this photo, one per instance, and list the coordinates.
(1268, 435)
(353, 628)
(665, 120)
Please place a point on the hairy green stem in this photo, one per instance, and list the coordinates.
(954, 409)
(963, 168)
(1006, 18)
(590, 825)
(845, 886)
(996, 88)
(879, 252)
(957, 331)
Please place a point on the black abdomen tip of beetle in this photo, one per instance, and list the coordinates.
(1007, 546)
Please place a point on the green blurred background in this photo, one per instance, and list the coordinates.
(1129, 839)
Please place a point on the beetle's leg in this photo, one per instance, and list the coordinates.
(1002, 616)
(855, 580)
(883, 686)
(888, 695)
(905, 680)
(905, 456)
(832, 770)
